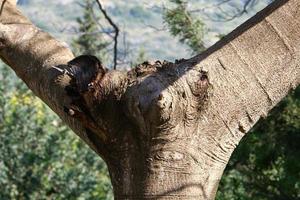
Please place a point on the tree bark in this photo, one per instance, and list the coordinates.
(167, 130)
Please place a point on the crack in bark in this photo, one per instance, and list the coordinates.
(282, 38)
(254, 75)
(221, 63)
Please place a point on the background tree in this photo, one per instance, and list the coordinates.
(91, 39)
(181, 24)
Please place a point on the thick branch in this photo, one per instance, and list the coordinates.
(32, 53)
(250, 71)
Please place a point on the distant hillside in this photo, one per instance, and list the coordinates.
(136, 19)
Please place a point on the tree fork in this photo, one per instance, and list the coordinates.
(167, 130)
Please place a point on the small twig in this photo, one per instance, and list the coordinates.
(154, 27)
(116, 31)
(210, 6)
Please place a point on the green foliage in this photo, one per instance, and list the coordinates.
(182, 24)
(266, 163)
(39, 157)
(91, 40)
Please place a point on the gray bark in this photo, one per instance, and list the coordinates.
(167, 130)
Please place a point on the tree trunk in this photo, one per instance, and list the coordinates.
(166, 130)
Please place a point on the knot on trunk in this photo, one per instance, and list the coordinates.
(163, 96)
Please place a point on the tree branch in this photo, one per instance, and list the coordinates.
(108, 18)
(22, 47)
(250, 71)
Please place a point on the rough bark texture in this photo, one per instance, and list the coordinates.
(166, 130)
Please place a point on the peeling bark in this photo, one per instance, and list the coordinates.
(166, 130)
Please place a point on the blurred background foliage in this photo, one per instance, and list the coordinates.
(266, 163)
(40, 158)
(181, 23)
